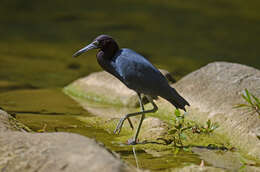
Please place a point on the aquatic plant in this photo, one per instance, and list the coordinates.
(181, 128)
(206, 129)
(253, 103)
(178, 129)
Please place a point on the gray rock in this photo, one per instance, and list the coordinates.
(21, 151)
(4, 121)
(153, 129)
(167, 75)
(9, 123)
(213, 91)
(103, 87)
(257, 132)
(197, 168)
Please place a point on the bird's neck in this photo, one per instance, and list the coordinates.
(104, 60)
(109, 51)
(106, 54)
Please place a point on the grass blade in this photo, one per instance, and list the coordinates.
(257, 101)
(241, 106)
(247, 97)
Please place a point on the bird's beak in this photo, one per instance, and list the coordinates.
(91, 46)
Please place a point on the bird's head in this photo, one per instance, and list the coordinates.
(103, 42)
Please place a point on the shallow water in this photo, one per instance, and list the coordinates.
(50, 110)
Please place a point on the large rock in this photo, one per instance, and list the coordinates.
(4, 122)
(103, 87)
(21, 151)
(212, 92)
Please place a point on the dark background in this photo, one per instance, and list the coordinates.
(39, 37)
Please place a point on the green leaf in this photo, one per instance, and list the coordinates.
(245, 98)
(177, 113)
(176, 151)
(257, 101)
(203, 130)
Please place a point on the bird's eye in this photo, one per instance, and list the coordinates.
(96, 43)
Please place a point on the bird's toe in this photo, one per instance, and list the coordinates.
(132, 141)
(119, 126)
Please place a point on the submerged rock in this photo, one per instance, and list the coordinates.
(103, 87)
(213, 91)
(21, 151)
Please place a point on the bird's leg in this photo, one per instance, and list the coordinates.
(134, 141)
(130, 123)
(120, 124)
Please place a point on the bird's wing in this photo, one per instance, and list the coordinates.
(138, 73)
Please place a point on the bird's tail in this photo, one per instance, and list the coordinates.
(177, 100)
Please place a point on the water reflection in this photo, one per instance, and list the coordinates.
(136, 159)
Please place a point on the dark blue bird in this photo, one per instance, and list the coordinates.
(137, 73)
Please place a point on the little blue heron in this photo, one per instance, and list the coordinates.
(137, 73)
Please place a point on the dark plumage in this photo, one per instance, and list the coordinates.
(136, 72)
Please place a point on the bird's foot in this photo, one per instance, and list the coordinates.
(132, 141)
(119, 126)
